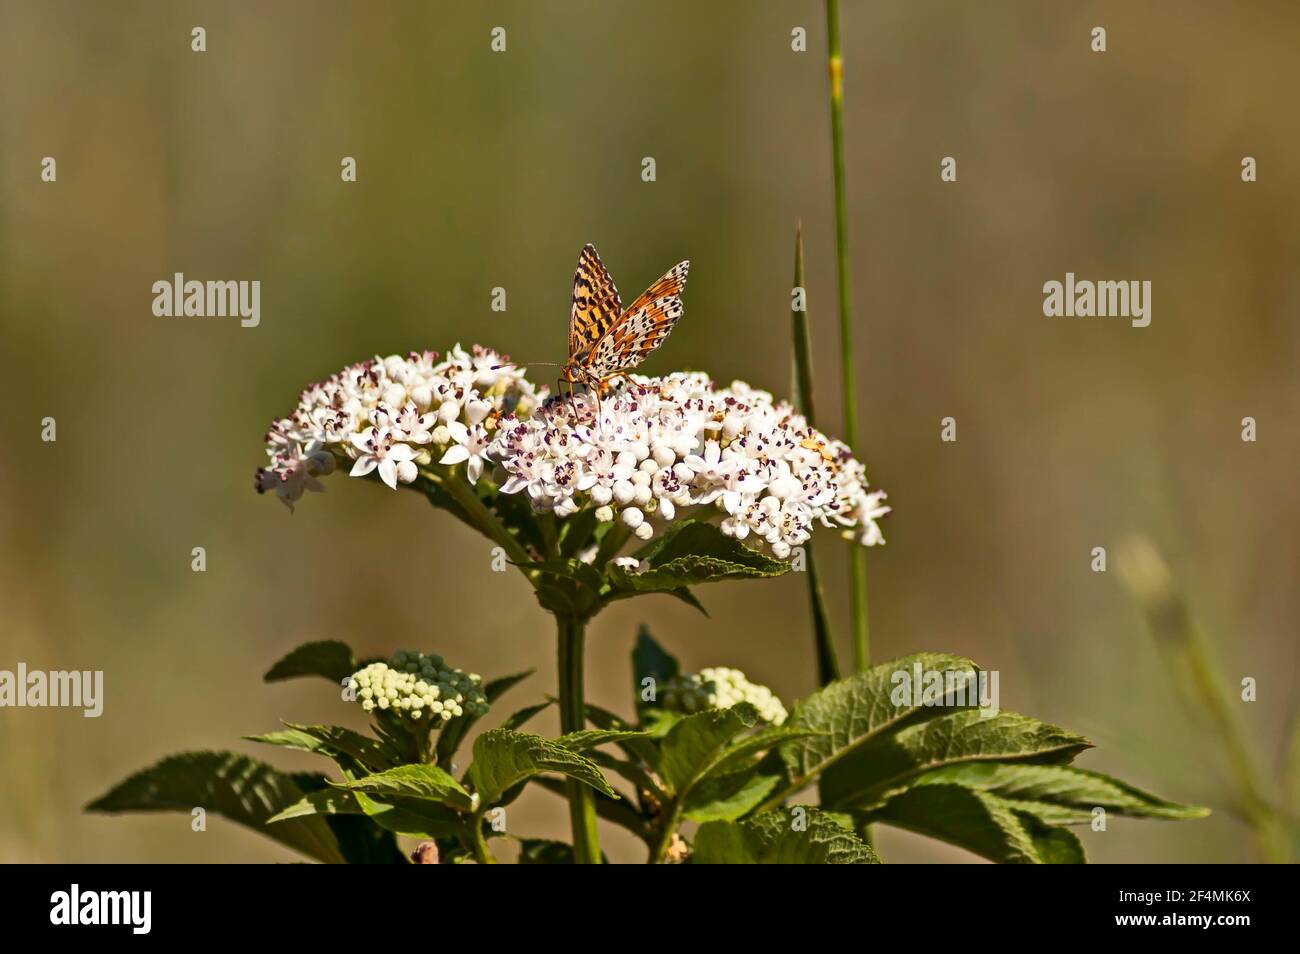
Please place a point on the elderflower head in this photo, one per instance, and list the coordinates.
(721, 688)
(414, 685)
(392, 416)
(650, 451)
(655, 449)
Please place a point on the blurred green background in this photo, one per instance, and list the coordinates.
(479, 170)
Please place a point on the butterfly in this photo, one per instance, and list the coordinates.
(606, 340)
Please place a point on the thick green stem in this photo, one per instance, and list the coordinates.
(857, 557)
(582, 801)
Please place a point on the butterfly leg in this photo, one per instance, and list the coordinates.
(592, 384)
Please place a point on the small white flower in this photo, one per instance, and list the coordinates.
(869, 510)
(378, 450)
(407, 425)
(471, 445)
(711, 466)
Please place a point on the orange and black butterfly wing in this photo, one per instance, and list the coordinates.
(642, 327)
(596, 304)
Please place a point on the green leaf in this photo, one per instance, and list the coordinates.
(696, 538)
(566, 587)
(361, 841)
(631, 770)
(643, 750)
(414, 817)
(852, 712)
(423, 783)
(763, 740)
(689, 553)
(687, 597)
(503, 758)
(454, 732)
(979, 822)
(539, 851)
(585, 739)
(964, 736)
(771, 838)
(1060, 794)
(1056, 846)
(697, 742)
(329, 658)
(494, 689)
(322, 801)
(727, 796)
(234, 786)
(408, 738)
(517, 719)
(650, 661)
(732, 782)
(659, 722)
(334, 742)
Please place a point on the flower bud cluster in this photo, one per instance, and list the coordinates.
(417, 686)
(720, 688)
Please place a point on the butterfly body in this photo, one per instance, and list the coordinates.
(606, 340)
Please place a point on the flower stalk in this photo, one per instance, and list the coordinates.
(570, 636)
(848, 378)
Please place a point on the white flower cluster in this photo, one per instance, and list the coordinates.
(643, 454)
(415, 685)
(655, 447)
(720, 688)
(394, 415)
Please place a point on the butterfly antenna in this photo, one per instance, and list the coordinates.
(525, 364)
